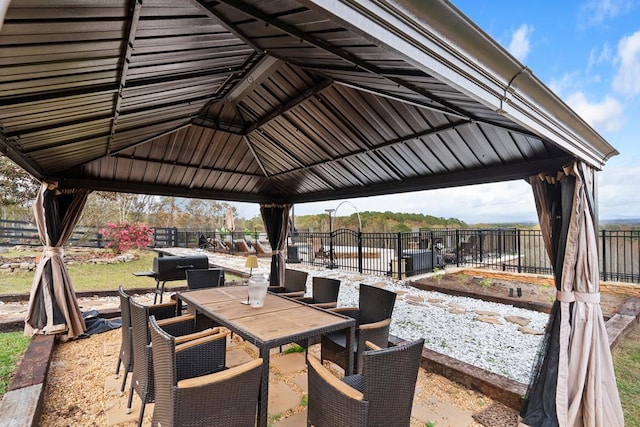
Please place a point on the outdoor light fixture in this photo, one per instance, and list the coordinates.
(331, 263)
(251, 263)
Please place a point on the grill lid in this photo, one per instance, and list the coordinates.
(175, 267)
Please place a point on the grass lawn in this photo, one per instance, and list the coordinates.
(95, 277)
(12, 347)
(626, 361)
(91, 277)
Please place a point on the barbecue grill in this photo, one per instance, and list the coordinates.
(170, 268)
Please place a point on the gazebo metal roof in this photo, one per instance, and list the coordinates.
(280, 100)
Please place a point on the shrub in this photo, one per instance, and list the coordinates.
(124, 236)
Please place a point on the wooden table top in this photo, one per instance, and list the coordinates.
(279, 317)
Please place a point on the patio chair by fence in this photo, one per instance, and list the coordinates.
(222, 399)
(325, 292)
(203, 242)
(373, 318)
(379, 397)
(261, 249)
(205, 352)
(295, 284)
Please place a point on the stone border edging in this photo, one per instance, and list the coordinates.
(22, 405)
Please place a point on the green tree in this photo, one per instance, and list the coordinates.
(19, 190)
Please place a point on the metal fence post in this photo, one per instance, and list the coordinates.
(604, 254)
(399, 254)
(457, 247)
(519, 249)
(360, 261)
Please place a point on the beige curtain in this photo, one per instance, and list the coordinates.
(575, 383)
(53, 308)
(276, 223)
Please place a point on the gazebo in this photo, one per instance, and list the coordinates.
(282, 102)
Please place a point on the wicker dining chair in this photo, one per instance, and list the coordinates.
(381, 396)
(222, 399)
(125, 357)
(373, 319)
(295, 284)
(206, 352)
(325, 292)
(205, 278)
(325, 295)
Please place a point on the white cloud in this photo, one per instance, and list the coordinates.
(617, 196)
(595, 12)
(564, 84)
(627, 79)
(606, 114)
(520, 44)
(600, 56)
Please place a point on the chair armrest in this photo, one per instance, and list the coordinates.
(163, 311)
(376, 333)
(276, 289)
(375, 325)
(334, 382)
(219, 376)
(372, 346)
(199, 340)
(306, 300)
(291, 294)
(178, 325)
(184, 338)
(325, 305)
(176, 319)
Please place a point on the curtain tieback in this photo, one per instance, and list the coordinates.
(53, 251)
(586, 297)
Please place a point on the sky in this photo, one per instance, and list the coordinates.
(588, 53)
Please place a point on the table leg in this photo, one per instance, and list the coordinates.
(263, 398)
(348, 362)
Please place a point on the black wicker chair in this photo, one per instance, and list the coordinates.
(325, 295)
(206, 352)
(373, 318)
(222, 399)
(325, 292)
(332, 403)
(295, 284)
(205, 278)
(381, 396)
(125, 357)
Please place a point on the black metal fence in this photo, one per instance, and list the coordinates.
(407, 254)
(394, 254)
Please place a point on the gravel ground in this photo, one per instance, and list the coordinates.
(450, 325)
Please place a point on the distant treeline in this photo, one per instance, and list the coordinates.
(373, 222)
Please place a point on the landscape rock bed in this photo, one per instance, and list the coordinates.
(24, 264)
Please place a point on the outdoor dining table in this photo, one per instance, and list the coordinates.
(279, 321)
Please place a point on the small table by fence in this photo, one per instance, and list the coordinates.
(280, 321)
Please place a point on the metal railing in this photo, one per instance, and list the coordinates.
(407, 254)
(393, 254)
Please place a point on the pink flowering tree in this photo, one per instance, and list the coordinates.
(122, 237)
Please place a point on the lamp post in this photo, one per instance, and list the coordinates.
(331, 264)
